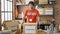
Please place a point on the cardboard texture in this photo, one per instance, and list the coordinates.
(18, 31)
(27, 1)
(29, 28)
(6, 32)
(51, 0)
(43, 1)
(41, 32)
(10, 32)
(11, 25)
(58, 28)
(48, 10)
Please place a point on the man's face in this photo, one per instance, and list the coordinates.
(30, 6)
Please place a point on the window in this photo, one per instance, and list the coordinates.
(6, 10)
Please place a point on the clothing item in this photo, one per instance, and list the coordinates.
(31, 15)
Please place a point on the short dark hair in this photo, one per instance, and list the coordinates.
(31, 2)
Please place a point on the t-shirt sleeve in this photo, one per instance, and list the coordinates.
(25, 13)
(38, 13)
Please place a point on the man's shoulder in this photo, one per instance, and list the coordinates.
(35, 9)
(27, 10)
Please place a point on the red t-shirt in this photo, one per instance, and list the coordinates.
(31, 15)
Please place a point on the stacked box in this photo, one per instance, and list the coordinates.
(29, 28)
(43, 1)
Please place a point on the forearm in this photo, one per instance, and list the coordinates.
(38, 19)
(23, 19)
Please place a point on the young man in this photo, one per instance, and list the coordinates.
(31, 14)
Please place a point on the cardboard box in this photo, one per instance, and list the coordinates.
(43, 1)
(18, 31)
(30, 28)
(48, 10)
(6, 32)
(11, 25)
(10, 32)
(27, 1)
(41, 11)
(51, 0)
(41, 32)
(58, 27)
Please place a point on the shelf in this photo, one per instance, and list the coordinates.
(19, 4)
(45, 4)
(51, 0)
(18, 18)
(46, 15)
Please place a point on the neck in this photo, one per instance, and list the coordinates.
(31, 8)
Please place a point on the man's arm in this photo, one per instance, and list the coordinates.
(25, 14)
(24, 19)
(38, 16)
(38, 19)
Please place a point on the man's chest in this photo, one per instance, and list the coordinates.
(31, 13)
